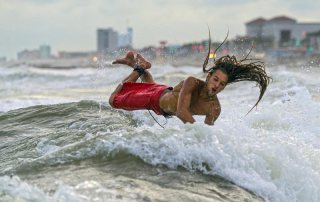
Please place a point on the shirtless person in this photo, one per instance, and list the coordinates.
(191, 96)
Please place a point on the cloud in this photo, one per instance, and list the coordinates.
(72, 24)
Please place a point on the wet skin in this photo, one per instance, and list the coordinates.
(190, 97)
(195, 97)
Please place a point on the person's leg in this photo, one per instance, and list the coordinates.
(127, 60)
(139, 62)
(133, 77)
(146, 77)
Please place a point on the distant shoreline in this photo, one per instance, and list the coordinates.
(195, 60)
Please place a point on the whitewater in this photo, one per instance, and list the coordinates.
(61, 141)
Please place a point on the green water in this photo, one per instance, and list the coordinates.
(79, 152)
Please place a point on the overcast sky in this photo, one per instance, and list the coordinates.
(71, 25)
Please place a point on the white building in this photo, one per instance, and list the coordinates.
(29, 55)
(125, 39)
(313, 42)
(107, 40)
(282, 30)
(45, 51)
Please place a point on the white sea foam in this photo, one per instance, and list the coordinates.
(273, 158)
(10, 104)
(14, 189)
(274, 151)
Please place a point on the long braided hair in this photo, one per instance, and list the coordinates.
(242, 70)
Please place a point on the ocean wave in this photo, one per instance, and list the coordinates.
(265, 152)
(12, 188)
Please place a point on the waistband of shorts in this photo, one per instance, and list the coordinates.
(163, 113)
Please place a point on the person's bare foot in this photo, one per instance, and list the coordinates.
(142, 62)
(127, 60)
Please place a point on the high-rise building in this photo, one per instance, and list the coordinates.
(45, 52)
(107, 40)
(125, 40)
(130, 35)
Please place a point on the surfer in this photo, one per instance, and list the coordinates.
(191, 96)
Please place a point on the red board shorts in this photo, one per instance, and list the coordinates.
(137, 96)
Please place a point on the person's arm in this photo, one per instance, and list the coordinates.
(184, 101)
(213, 115)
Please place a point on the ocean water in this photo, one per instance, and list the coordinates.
(61, 141)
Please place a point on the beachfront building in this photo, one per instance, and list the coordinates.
(76, 54)
(45, 51)
(312, 42)
(3, 59)
(282, 31)
(107, 40)
(29, 54)
(125, 39)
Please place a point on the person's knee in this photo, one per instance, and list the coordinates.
(112, 96)
(111, 101)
